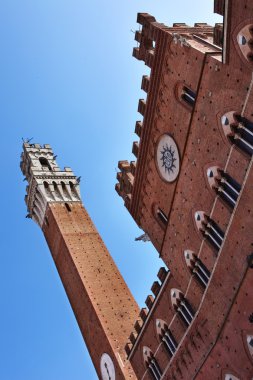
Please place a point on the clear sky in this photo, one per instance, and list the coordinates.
(68, 79)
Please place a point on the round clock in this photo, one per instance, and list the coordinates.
(107, 367)
(167, 158)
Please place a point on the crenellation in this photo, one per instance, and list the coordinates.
(138, 128)
(142, 106)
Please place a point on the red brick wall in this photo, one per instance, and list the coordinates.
(102, 303)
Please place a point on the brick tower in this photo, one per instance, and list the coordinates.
(102, 303)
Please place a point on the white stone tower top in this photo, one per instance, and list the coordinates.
(46, 181)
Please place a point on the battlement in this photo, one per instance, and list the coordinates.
(219, 7)
(125, 180)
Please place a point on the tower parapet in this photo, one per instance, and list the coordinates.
(46, 181)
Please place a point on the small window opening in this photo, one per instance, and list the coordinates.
(162, 217)
(188, 96)
(45, 164)
(68, 207)
(46, 221)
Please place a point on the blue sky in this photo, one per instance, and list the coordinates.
(68, 79)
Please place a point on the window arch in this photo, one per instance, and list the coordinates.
(188, 96)
(166, 337)
(209, 229)
(182, 306)
(151, 364)
(45, 163)
(245, 42)
(249, 340)
(238, 130)
(224, 185)
(197, 268)
(160, 216)
(185, 95)
(228, 376)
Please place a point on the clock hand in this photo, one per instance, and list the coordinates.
(108, 373)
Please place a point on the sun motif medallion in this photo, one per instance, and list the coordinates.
(167, 158)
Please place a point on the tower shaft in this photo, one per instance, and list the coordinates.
(103, 305)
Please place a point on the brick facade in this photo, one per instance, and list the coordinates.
(198, 324)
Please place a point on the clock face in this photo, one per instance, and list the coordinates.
(107, 367)
(167, 158)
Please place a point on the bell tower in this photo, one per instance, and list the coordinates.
(103, 305)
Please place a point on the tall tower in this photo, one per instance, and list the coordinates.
(103, 305)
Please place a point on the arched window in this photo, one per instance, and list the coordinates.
(188, 96)
(238, 130)
(224, 185)
(245, 40)
(250, 344)
(182, 306)
(197, 268)
(45, 164)
(228, 376)
(209, 229)
(162, 216)
(166, 337)
(152, 364)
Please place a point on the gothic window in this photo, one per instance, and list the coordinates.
(228, 376)
(250, 344)
(182, 306)
(224, 185)
(188, 96)
(245, 42)
(151, 364)
(45, 164)
(239, 131)
(161, 216)
(166, 337)
(197, 268)
(209, 229)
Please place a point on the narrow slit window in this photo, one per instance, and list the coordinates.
(188, 96)
(162, 217)
(68, 207)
